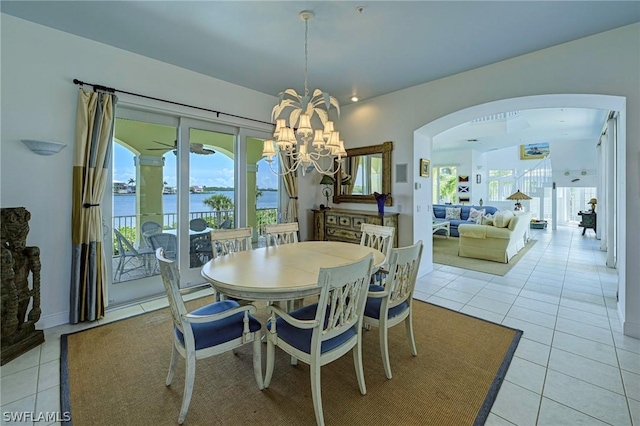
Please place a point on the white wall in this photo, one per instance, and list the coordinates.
(575, 160)
(39, 102)
(606, 64)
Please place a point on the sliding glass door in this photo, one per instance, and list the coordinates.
(139, 201)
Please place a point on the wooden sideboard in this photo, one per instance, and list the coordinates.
(344, 225)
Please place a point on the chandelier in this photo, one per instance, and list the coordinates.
(300, 144)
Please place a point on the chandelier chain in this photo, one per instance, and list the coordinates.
(306, 57)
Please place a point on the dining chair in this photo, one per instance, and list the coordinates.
(380, 238)
(392, 303)
(130, 258)
(166, 241)
(198, 224)
(207, 331)
(322, 332)
(201, 249)
(281, 233)
(147, 228)
(150, 226)
(225, 241)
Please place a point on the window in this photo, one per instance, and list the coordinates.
(500, 184)
(445, 181)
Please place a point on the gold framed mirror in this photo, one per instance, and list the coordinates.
(362, 172)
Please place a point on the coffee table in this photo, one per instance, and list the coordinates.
(439, 224)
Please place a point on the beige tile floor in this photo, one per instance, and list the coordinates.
(572, 366)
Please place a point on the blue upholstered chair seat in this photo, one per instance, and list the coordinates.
(372, 308)
(217, 332)
(301, 339)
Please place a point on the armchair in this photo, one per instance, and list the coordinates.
(211, 330)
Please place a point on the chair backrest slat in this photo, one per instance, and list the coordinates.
(403, 272)
(281, 233)
(342, 298)
(378, 237)
(225, 241)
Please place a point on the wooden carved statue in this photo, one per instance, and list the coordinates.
(20, 276)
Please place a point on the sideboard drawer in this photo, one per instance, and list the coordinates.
(332, 219)
(342, 234)
(358, 221)
(344, 221)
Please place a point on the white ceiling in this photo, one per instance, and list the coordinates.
(390, 45)
(554, 125)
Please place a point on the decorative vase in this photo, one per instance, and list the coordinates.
(380, 199)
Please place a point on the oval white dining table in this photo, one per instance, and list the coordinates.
(285, 272)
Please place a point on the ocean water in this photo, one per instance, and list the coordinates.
(125, 204)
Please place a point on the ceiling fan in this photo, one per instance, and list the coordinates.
(196, 148)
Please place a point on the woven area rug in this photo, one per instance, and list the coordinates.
(445, 252)
(115, 374)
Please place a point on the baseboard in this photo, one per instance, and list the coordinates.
(52, 320)
(631, 329)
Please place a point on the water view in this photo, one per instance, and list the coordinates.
(125, 204)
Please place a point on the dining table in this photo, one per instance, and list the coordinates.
(281, 272)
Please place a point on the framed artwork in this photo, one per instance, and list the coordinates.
(478, 178)
(464, 199)
(534, 151)
(424, 167)
(464, 189)
(463, 178)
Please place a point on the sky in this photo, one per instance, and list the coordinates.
(206, 170)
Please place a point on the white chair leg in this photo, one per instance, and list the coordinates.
(172, 365)
(408, 322)
(293, 361)
(357, 362)
(257, 360)
(271, 352)
(316, 394)
(384, 349)
(188, 386)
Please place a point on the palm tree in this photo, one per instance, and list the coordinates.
(132, 183)
(219, 202)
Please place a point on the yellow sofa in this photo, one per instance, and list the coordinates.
(495, 243)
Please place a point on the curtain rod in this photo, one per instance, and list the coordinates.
(113, 90)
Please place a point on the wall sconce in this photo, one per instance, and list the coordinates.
(43, 147)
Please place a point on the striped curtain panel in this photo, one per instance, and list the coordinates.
(94, 131)
(291, 186)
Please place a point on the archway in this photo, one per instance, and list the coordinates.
(422, 147)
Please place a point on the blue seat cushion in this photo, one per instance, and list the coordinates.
(372, 308)
(301, 339)
(216, 332)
